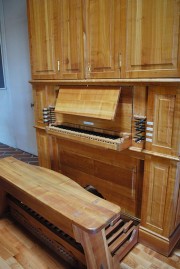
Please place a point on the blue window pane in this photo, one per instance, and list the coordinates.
(1, 72)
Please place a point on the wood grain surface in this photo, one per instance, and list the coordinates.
(56, 197)
(19, 250)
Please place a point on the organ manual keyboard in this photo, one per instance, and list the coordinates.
(90, 137)
(91, 117)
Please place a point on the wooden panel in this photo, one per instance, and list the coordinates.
(160, 195)
(103, 38)
(70, 39)
(111, 192)
(43, 96)
(44, 148)
(42, 40)
(39, 96)
(172, 199)
(154, 194)
(152, 43)
(157, 191)
(162, 132)
(163, 120)
(119, 182)
(92, 103)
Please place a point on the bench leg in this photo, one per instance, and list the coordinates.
(95, 249)
(3, 202)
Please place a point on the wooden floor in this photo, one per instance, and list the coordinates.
(18, 249)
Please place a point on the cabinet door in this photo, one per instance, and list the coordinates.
(152, 38)
(70, 39)
(160, 195)
(103, 39)
(41, 16)
(163, 128)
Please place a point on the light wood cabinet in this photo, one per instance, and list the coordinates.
(59, 43)
(103, 51)
(152, 38)
(56, 39)
(70, 46)
(104, 39)
(41, 15)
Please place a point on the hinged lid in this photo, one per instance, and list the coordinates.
(90, 102)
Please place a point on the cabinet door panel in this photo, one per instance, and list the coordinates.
(103, 38)
(42, 42)
(160, 195)
(163, 130)
(70, 39)
(152, 38)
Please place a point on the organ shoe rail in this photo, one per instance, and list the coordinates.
(65, 215)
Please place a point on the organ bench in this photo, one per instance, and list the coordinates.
(65, 215)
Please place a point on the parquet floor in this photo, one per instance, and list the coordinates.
(20, 250)
(142, 257)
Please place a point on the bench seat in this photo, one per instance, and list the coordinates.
(65, 204)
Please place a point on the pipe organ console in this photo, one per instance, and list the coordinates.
(122, 141)
(119, 143)
(91, 113)
(122, 144)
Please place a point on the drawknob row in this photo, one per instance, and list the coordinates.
(139, 126)
(49, 114)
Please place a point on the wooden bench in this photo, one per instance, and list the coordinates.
(65, 205)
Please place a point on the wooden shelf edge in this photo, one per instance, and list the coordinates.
(156, 154)
(110, 82)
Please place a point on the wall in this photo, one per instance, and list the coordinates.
(16, 114)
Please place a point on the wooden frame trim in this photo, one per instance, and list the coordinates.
(111, 82)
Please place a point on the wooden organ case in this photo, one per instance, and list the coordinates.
(130, 157)
(106, 87)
